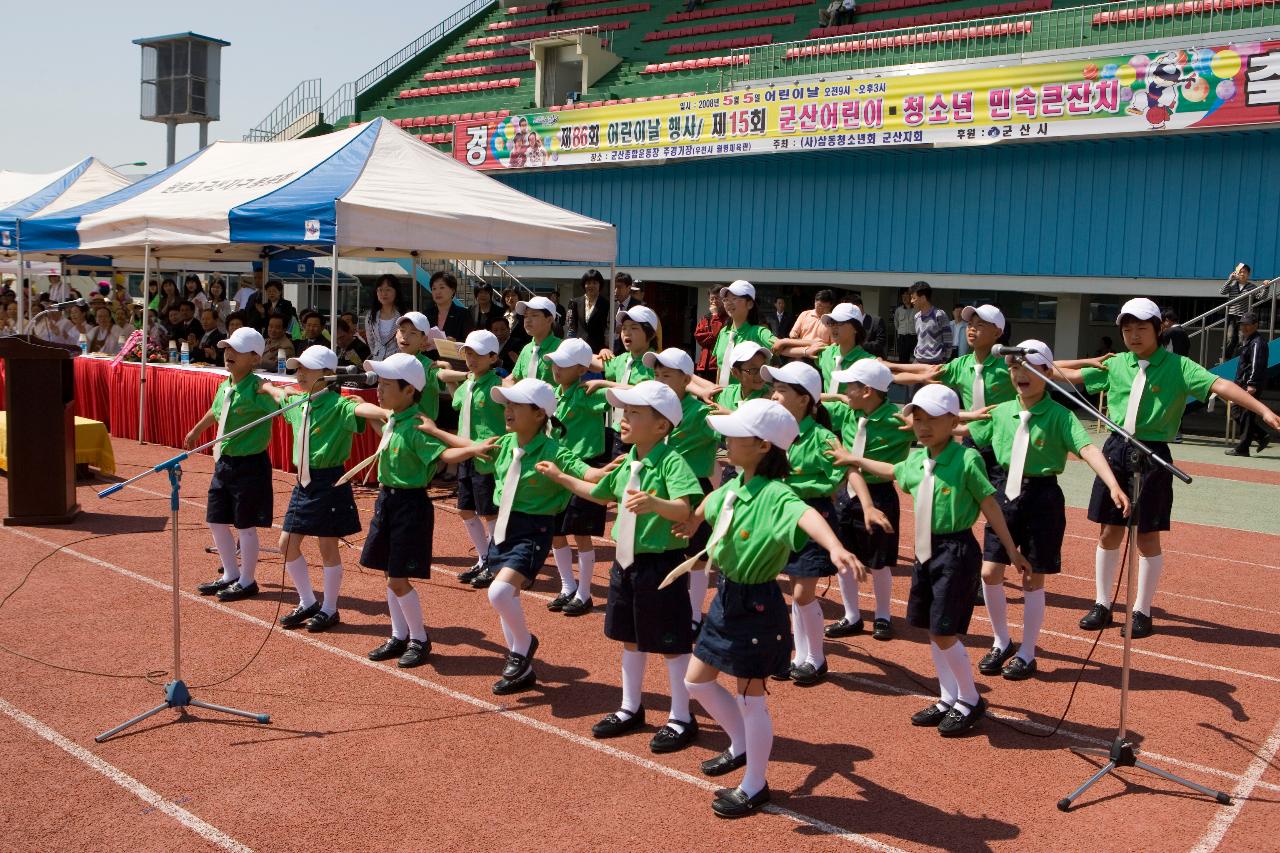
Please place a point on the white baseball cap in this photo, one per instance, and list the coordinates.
(639, 314)
(795, 373)
(651, 393)
(935, 400)
(1140, 308)
(399, 365)
(535, 392)
(315, 358)
(845, 312)
(244, 339)
(739, 288)
(1038, 352)
(745, 351)
(572, 352)
(758, 418)
(482, 342)
(418, 319)
(990, 313)
(537, 303)
(676, 359)
(866, 371)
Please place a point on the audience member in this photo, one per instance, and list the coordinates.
(828, 15)
(1251, 375)
(277, 338)
(904, 325)
(959, 328)
(169, 297)
(486, 308)
(207, 349)
(809, 325)
(312, 332)
(780, 320)
(218, 301)
(933, 329)
(193, 289)
(587, 316)
(106, 336)
(351, 350)
(246, 295)
(383, 319)
(706, 332)
(443, 312)
(1240, 281)
(1173, 337)
(874, 340)
(272, 303)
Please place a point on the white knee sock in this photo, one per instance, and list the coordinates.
(849, 595)
(946, 683)
(1149, 569)
(632, 681)
(248, 555)
(226, 545)
(411, 606)
(301, 580)
(998, 611)
(680, 714)
(505, 599)
(586, 566)
(811, 613)
(332, 586)
(961, 673)
(479, 539)
(399, 625)
(564, 565)
(1106, 564)
(759, 729)
(723, 708)
(882, 583)
(1032, 620)
(698, 581)
(799, 636)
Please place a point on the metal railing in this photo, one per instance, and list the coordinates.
(421, 43)
(493, 273)
(1220, 321)
(1057, 29)
(341, 104)
(300, 105)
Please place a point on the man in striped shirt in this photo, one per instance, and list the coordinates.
(933, 329)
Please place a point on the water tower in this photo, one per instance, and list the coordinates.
(181, 77)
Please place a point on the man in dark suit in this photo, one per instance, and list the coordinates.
(1173, 337)
(625, 295)
(1251, 375)
(587, 317)
(780, 320)
(875, 338)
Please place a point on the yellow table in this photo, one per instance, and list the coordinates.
(93, 444)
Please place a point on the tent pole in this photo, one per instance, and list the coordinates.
(613, 305)
(333, 299)
(21, 291)
(142, 362)
(413, 281)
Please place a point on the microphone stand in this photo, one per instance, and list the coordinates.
(176, 693)
(1122, 752)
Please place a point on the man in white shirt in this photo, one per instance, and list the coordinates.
(59, 290)
(959, 330)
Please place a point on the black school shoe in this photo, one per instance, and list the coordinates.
(843, 628)
(322, 622)
(1018, 670)
(214, 586)
(1098, 617)
(577, 607)
(667, 739)
(883, 630)
(807, 675)
(392, 648)
(298, 615)
(472, 573)
(416, 654)
(994, 660)
(785, 676)
(723, 763)
(516, 664)
(615, 726)
(506, 686)
(483, 580)
(1141, 623)
(929, 717)
(956, 723)
(557, 604)
(736, 804)
(235, 592)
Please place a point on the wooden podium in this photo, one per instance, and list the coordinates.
(40, 393)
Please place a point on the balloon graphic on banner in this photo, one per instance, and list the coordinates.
(1197, 91)
(1226, 90)
(1226, 64)
(1139, 64)
(1090, 72)
(1202, 61)
(1126, 75)
(1109, 71)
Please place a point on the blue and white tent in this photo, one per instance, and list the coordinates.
(371, 190)
(24, 195)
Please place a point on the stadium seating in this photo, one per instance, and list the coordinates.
(911, 39)
(1174, 10)
(483, 40)
(538, 7)
(477, 55)
(480, 71)
(696, 64)
(937, 18)
(719, 44)
(459, 88)
(721, 27)
(723, 11)
(566, 17)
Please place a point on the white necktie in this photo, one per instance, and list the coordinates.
(722, 525)
(534, 363)
(1135, 396)
(859, 448)
(723, 379)
(626, 540)
(387, 429)
(222, 421)
(832, 384)
(622, 380)
(303, 462)
(979, 390)
(1018, 461)
(924, 513)
(464, 422)
(509, 485)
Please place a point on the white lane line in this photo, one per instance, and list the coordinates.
(645, 763)
(206, 831)
(1223, 819)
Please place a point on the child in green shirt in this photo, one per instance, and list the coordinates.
(638, 327)
(415, 335)
(745, 361)
(539, 315)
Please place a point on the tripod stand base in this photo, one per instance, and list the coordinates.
(176, 695)
(1122, 754)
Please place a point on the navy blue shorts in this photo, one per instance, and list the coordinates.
(944, 588)
(747, 632)
(322, 509)
(240, 492)
(876, 548)
(656, 620)
(399, 540)
(580, 518)
(475, 490)
(1155, 504)
(526, 547)
(812, 560)
(1037, 522)
(700, 536)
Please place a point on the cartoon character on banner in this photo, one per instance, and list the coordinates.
(1158, 100)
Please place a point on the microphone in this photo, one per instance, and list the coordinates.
(57, 306)
(1000, 350)
(362, 379)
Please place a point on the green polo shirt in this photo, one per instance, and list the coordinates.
(1054, 432)
(693, 438)
(535, 494)
(583, 417)
(664, 474)
(541, 368)
(410, 457)
(730, 337)
(1171, 380)
(487, 417)
(812, 473)
(960, 485)
(638, 373)
(731, 398)
(247, 405)
(332, 421)
(886, 440)
(764, 530)
(830, 361)
(957, 374)
(430, 403)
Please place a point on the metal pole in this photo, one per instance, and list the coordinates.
(613, 304)
(204, 135)
(333, 298)
(1271, 326)
(171, 142)
(22, 292)
(175, 476)
(413, 281)
(142, 362)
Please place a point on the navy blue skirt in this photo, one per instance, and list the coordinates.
(813, 561)
(526, 547)
(321, 508)
(747, 633)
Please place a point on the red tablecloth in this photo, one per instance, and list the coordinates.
(93, 399)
